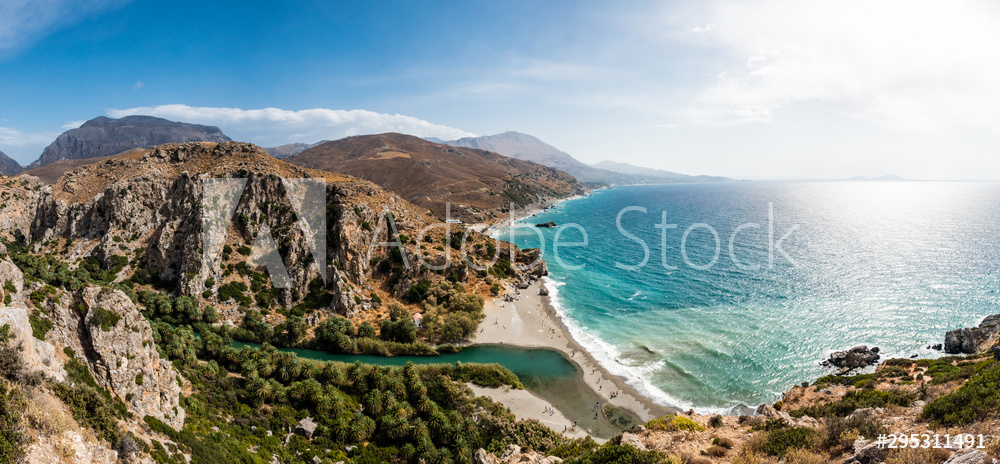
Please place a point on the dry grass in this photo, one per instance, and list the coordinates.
(748, 457)
(801, 456)
(716, 452)
(917, 456)
(755, 444)
(46, 415)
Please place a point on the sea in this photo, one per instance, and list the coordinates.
(719, 296)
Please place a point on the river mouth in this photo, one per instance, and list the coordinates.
(545, 372)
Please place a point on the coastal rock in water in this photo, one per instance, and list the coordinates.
(973, 340)
(549, 224)
(855, 358)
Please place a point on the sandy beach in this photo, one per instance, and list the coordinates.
(527, 405)
(532, 322)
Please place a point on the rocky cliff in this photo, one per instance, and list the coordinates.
(105, 136)
(975, 339)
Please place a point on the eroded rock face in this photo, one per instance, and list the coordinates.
(38, 355)
(973, 340)
(121, 355)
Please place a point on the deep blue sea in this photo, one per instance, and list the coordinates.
(723, 313)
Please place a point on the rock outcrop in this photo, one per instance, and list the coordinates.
(104, 328)
(38, 355)
(513, 455)
(973, 340)
(104, 136)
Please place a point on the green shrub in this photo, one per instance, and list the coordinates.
(674, 424)
(857, 399)
(977, 399)
(39, 325)
(13, 440)
(104, 319)
(781, 440)
(235, 290)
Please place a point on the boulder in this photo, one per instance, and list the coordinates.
(513, 455)
(548, 225)
(633, 440)
(872, 453)
(970, 457)
(543, 291)
(306, 428)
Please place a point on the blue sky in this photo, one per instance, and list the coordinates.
(750, 89)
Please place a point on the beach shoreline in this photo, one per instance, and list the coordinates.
(532, 322)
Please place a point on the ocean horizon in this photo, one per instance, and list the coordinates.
(719, 296)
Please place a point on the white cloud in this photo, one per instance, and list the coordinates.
(22, 21)
(72, 125)
(138, 85)
(275, 126)
(901, 64)
(16, 138)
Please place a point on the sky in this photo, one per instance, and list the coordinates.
(754, 89)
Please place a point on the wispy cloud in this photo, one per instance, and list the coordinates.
(138, 85)
(16, 138)
(23, 21)
(901, 64)
(276, 126)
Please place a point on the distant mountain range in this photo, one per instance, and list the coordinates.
(530, 148)
(644, 172)
(8, 166)
(104, 136)
(291, 149)
(476, 182)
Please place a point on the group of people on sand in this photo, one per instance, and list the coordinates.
(548, 410)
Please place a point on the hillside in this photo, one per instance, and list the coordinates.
(105, 136)
(106, 274)
(8, 166)
(479, 184)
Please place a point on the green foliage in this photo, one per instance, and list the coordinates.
(39, 325)
(977, 399)
(13, 440)
(318, 297)
(104, 319)
(781, 440)
(835, 434)
(235, 290)
(400, 331)
(91, 405)
(617, 453)
(674, 424)
(857, 399)
(9, 287)
(366, 330)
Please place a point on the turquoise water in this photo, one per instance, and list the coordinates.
(891, 264)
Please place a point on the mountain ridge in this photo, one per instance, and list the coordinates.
(478, 184)
(103, 136)
(8, 166)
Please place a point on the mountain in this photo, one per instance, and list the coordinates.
(477, 183)
(291, 149)
(645, 172)
(530, 148)
(8, 167)
(106, 136)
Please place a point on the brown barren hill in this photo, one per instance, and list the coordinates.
(478, 184)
